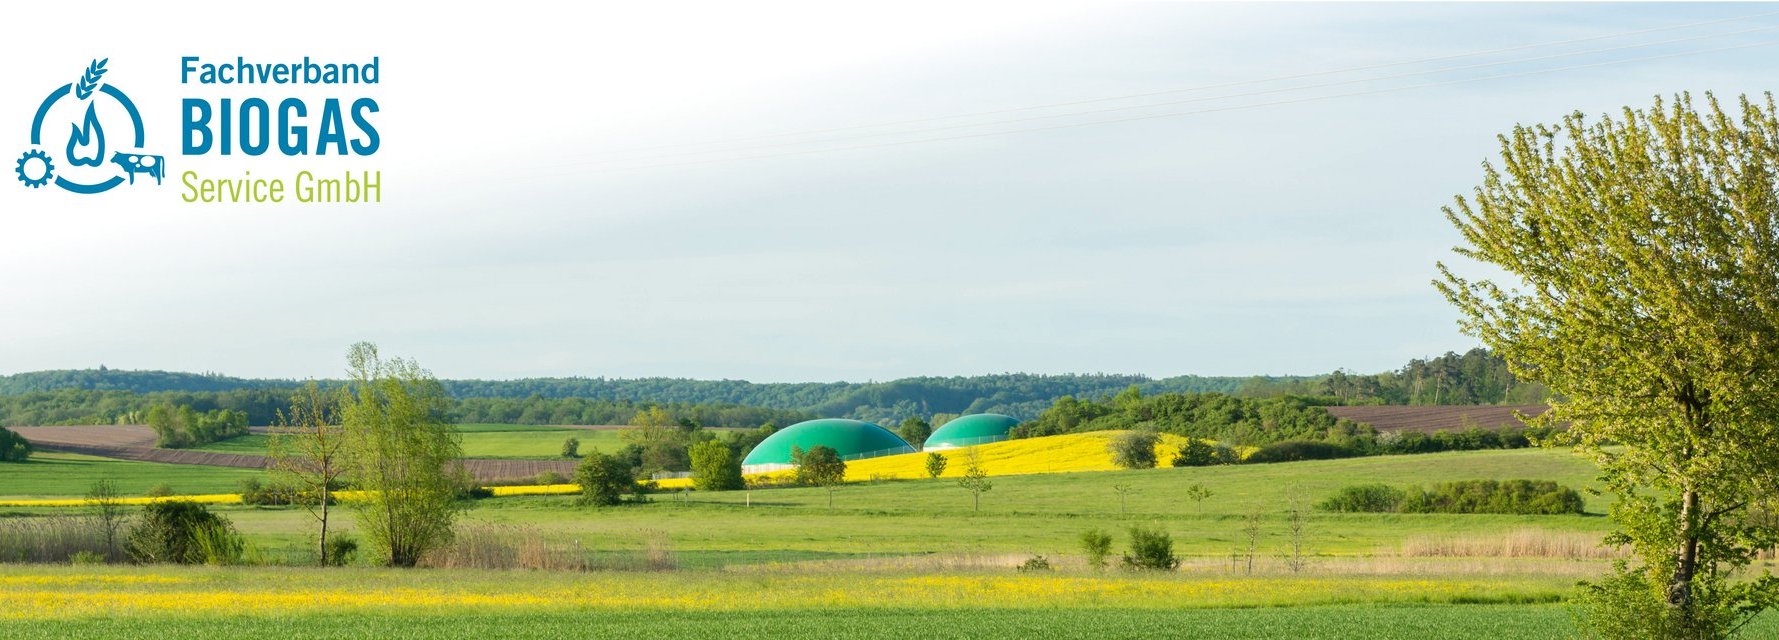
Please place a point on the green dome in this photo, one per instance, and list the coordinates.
(852, 439)
(964, 431)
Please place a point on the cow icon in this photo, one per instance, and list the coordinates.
(134, 163)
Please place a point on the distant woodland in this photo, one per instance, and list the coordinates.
(105, 396)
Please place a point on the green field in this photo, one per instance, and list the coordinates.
(69, 475)
(912, 551)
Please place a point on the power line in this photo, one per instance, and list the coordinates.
(1248, 94)
(1223, 85)
(1205, 111)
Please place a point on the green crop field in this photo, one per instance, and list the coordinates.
(69, 475)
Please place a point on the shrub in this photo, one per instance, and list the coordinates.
(181, 532)
(86, 558)
(571, 448)
(1151, 548)
(1519, 497)
(1035, 563)
(1097, 546)
(13, 447)
(1135, 449)
(341, 550)
(715, 467)
(1296, 450)
(605, 479)
(1364, 498)
(1196, 453)
(161, 490)
(551, 477)
(935, 464)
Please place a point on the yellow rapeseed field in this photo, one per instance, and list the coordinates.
(40, 593)
(1051, 454)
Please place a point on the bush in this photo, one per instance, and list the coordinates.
(1296, 450)
(936, 464)
(1364, 498)
(1135, 449)
(181, 532)
(571, 448)
(1151, 548)
(161, 490)
(1517, 497)
(13, 447)
(341, 550)
(551, 477)
(86, 558)
(605, 479)
(715, 467)
(1196, 453)
(1035, 563)
(1096, 545)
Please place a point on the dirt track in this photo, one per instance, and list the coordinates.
(136, 442)
(1441, 418)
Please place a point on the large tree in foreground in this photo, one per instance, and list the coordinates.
(1642, 286)
(401, 453)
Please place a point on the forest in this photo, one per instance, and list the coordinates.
(107, 396)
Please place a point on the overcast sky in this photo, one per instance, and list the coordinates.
(593, 192)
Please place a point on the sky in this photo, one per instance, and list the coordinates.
(786, 191)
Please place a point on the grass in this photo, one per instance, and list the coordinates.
(210, 602)
(48, 474)
(1028, 514)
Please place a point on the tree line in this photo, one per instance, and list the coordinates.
(102, 396)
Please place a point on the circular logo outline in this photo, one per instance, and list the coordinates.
(43, 111)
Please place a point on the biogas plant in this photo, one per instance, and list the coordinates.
(858, 440)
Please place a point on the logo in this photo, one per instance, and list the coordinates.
(92, 112)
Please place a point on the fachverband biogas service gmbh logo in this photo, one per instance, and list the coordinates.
(239, 116)
(104, 142)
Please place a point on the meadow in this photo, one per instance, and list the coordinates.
(895, 546)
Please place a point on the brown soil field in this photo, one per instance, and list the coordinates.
(1427, 419)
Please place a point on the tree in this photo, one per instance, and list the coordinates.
(401, 453)
(975, 478)
(1196, 453)
(1251, 530)
(915, 431)
(571, 448)
(1134, 449)
(108, 511)
(13, 447)
(1122, 490)
(307, 454)
(1097, 545)
(1197, 492)
(1643, 256)
(820, 466)
(715, 467)
(604, 479)
(935, 464)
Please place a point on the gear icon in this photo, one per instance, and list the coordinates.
(48, 169)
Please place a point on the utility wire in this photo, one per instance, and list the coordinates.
(1248, 94)
(1224, 85)
(1204, 111)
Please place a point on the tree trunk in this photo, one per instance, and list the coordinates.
(1680, 588)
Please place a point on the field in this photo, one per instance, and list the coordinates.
(898, 555)
(490, 441)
